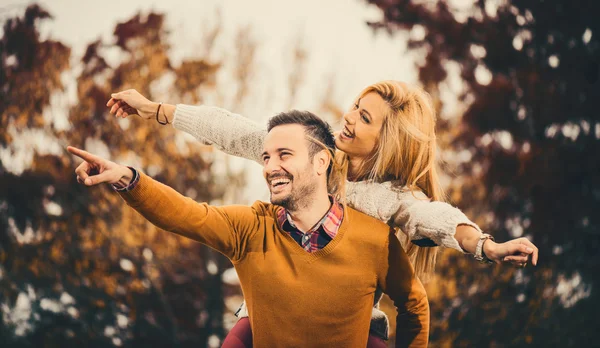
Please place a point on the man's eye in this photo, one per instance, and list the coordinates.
(265, 159)
(285, 154)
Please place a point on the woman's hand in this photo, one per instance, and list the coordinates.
(131, 102)
(515, 252)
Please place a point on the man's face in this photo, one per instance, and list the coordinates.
(288, 169)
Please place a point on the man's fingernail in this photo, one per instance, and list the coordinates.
(88, 181)
(529, 250)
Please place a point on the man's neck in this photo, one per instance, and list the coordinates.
(308, 215)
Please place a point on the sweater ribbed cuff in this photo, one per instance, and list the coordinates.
(140, 193)
(450, 223)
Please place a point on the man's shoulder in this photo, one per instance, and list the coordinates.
(259, 212)
(257, 208)
(264, 208)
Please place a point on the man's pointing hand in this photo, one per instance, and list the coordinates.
(95, 170)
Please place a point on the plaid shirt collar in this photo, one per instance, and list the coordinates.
(329, 224)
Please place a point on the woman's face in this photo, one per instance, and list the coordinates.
(362, 125)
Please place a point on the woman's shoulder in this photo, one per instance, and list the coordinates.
(391, 187)
(381, 200)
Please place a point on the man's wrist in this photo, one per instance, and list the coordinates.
(126, 178)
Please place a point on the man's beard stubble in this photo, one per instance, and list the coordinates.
(300, 197)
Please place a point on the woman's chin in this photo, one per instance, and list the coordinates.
(340, 144)
(350, 148)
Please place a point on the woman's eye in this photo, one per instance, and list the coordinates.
(356, 106)
(365, 118)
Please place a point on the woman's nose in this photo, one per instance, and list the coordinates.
(349, 117)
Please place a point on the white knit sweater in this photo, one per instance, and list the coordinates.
(411, 211)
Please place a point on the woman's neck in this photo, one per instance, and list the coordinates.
(354, 164)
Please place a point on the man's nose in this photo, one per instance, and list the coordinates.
(271, 166)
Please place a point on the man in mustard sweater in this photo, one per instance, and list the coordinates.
(302, 289)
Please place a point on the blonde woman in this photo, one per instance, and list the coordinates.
(388, 147)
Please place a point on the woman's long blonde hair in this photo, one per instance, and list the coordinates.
(406, 153)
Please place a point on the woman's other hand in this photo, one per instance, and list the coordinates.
(131, 102)
(515, 252)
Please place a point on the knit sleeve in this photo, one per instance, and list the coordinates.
(226, 229)
(231, 133)
(399, 282)
(411, 211)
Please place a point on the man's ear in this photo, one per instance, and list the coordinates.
(321, 161)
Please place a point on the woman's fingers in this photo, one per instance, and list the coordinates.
(130, 102)
(534, 255)
(112, 101)
(129, 96)
(128, 110)
(516, 259)
(518, 251)
(125, 111)
(119, 107)
(115, 107)
(517, 247)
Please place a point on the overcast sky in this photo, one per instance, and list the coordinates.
(341, 47)
(339, 43)
(333, 31)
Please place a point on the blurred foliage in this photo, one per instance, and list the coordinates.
(528, 144)
(77, 267)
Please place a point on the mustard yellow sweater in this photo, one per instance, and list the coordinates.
(296, 298)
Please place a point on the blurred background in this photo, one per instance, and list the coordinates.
(515, 83)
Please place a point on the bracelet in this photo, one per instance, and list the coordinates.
(157, 120)
(479, 254)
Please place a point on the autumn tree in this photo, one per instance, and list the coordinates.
(524, 155)
(77, 267)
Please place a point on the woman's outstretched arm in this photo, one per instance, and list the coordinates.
(420, 219)
(229, 132)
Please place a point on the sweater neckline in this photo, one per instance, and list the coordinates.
(297, 249)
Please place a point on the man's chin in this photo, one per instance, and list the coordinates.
(281, 199)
